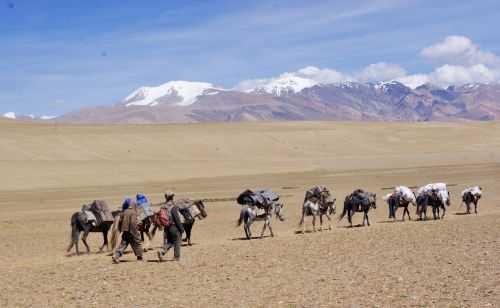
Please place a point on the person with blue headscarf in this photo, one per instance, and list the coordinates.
(144, 205)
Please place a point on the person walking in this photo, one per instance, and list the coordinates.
(127, 225)
(172, 233)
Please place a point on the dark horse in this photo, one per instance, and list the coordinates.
(79, 224)
(469, 198)
(358, 201)
(431, 199)
(395, 201)
(191, 211)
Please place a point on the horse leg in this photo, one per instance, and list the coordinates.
(314, 222)
(105, 242)
(71, 244)
(468, 207)
(475, 208)
(247, 233)
(187, 228)
(270, 228)
(367, 219)
(329, 222)
(444, 211)
(320, 222)
(76, 246)
(302, 223)
(84, 239)
(349, 217)
(263, 228)
(75, 235)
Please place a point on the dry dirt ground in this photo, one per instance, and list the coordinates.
(50, 170)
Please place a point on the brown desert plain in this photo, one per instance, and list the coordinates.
(50, 170)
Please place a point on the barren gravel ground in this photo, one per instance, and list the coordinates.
(448, 263)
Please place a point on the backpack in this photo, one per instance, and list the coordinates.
(163, 217)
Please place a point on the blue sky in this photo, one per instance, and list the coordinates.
(58, 56)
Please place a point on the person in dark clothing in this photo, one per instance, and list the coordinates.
(130, 232)
(172, 233)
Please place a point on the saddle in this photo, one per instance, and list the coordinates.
(101, 211)
(88, 216)
(261, 199)
(184, 206)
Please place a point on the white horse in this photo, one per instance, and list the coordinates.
(248, 215)
(317, 208)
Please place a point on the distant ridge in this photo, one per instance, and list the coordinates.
(296, 98)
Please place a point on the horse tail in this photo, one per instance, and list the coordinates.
(115, 232)
(241, 219)
(74, 229)
(344, 211)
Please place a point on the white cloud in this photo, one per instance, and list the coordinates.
(298, 80)
(459, 50)
(414, 81)
(458, 75)
(324, 75)
(461, 60)
(381, 71)
(448, 74)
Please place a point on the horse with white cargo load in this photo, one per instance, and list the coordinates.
(402, 196)
(471, 195)
(435, 195)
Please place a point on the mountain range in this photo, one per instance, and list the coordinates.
(296, 98)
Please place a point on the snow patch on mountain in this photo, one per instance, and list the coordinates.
(46, 117)
(187, 93)
(9, 115)
(286, 83)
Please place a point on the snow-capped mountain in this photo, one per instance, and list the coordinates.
(14, 116)
(180, 93)
(297, 98)
(10, 115)
(283, 85)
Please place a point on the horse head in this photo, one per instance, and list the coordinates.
(372, 197)
(332, 207)
(201, 208)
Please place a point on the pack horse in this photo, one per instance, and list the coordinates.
(359, 201)
(259, 206)
(318, 201)
(94, 217)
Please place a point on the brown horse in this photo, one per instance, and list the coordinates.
(80, 224)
